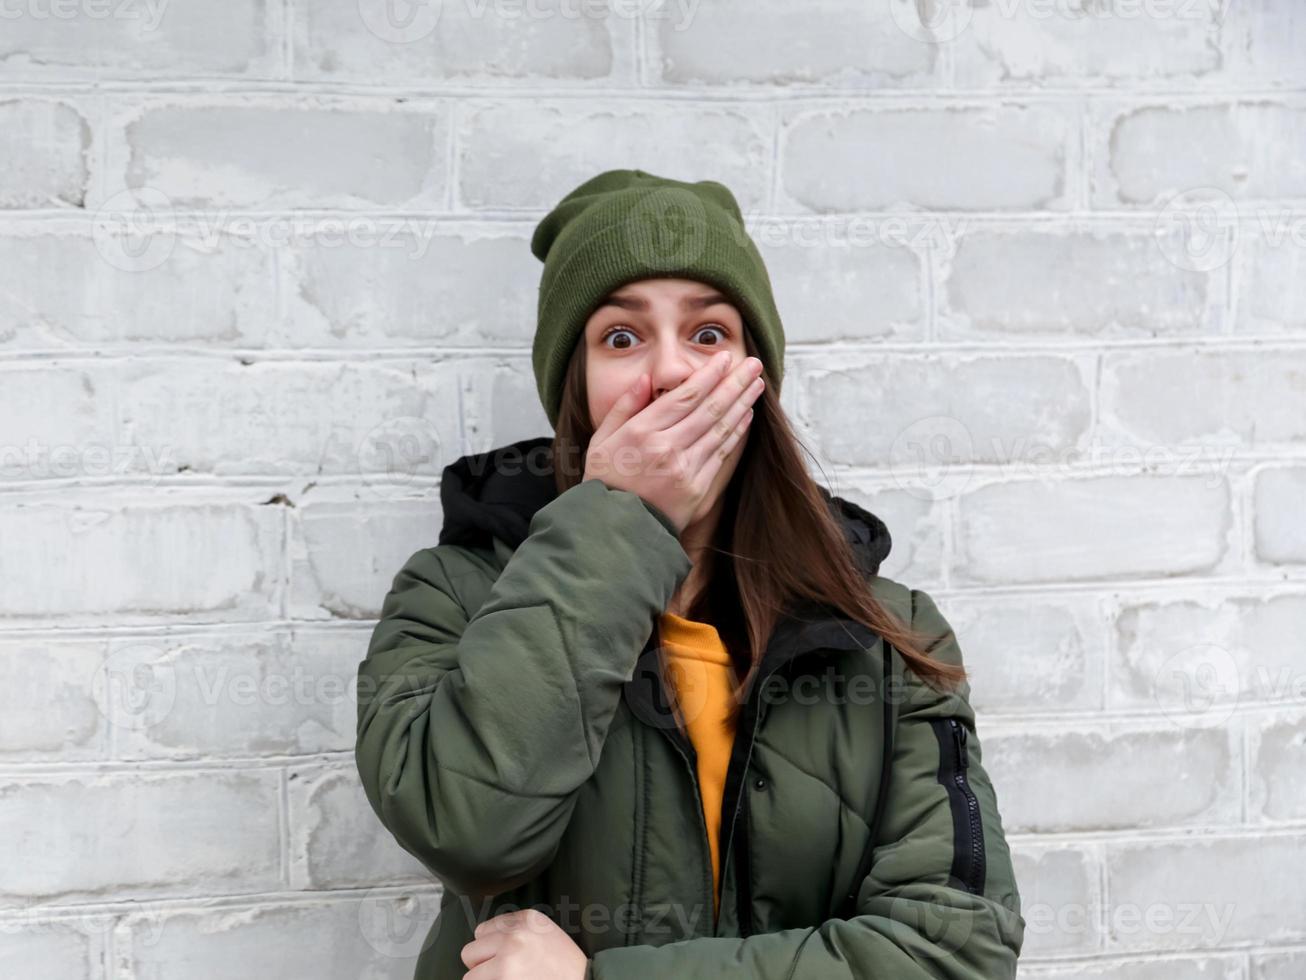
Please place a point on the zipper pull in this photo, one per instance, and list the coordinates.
(959, 736)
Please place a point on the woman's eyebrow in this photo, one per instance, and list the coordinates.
(688, 302)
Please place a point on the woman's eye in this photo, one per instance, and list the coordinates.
(617, 330)
(718, 330)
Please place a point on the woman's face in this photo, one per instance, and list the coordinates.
(666, 327)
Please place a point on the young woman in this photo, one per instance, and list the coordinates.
(648, 709)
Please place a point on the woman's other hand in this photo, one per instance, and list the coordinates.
(523, 945)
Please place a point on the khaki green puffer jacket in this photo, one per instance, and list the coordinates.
(514, 735)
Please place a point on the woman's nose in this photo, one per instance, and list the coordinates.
(669, 370)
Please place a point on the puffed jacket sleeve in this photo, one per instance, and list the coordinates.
(476, 727)
(940, 900)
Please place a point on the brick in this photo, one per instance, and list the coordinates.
(1280, 536)
(420, 283)
(998, 157)
(1031, 283)
(1030, 651)
(1050, 44)
(64, 949)
(500, 402)
(274, 416)
(1276, 790)
(933, 411)
(122, 561)
(1218, 398)
(287, 155)
(1096, 527)
(1246, 150)
(337, 840)
(847, 281)
(44, 671)
(190, 833)
(1285, 965)
(95, 40)
(1272, 257)
(1154, 967)
(346, 555)
(1045, 775)
(1220, 890)
(511, 157)
(1262, 43)
(376, 935)
(71, 286)
(59, 417)
(1059, 899)
(775, 43)
(341, 40)
(45, 147)
(242, 695)
(1203, 657)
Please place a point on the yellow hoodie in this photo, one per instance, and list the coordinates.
(700, 668)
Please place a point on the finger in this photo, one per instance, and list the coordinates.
(741, 387)
(717, 458)
(721, 429)
(676, 404)
(479, 951)
(629, 404)
(503, 922)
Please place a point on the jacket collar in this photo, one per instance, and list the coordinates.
(495, 494)
(492, 496)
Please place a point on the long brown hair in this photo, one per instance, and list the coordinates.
(775, 543)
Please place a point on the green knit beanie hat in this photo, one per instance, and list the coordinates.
(626, 225)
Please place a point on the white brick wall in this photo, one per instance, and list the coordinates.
(264, 270)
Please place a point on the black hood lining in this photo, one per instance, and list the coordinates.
(495, 494)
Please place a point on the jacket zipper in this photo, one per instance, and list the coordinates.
(743, 887)
(751, 715)
(968, 855)
(709, 885)
(686, 750)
